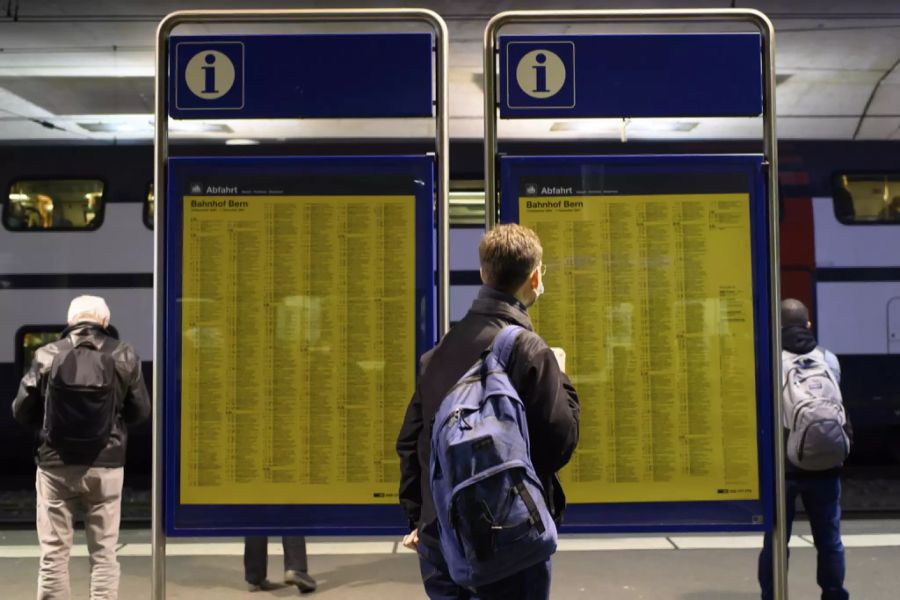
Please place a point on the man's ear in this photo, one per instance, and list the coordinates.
(481, 272)
(809, 324)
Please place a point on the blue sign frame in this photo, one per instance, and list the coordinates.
(364, 75)
(661, 75)
(742, 515)
(308, 519)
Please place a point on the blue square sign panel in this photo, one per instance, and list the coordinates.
(540, 74)
(210, 75)
(315, 76)
(628, 75)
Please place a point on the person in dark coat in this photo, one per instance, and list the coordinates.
(92, 477)
(512, 272)
(256, 555)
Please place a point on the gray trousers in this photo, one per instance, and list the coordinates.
(59, 491)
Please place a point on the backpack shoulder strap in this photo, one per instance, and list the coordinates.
(109, 345)
(504, 343)
(86, 343)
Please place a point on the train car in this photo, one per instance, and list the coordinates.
(841, 256)
(78, 219)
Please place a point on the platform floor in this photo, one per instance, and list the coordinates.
(677, 567)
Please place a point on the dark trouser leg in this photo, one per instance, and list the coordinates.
(766, 580)
(436, 577)
(255, 558)
(531, 584)
(294, 553)
(822, 500)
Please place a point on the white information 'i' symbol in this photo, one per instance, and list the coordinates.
(209, 74)
(541, 73)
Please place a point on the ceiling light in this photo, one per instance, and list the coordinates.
(116, 127)
(18, 197)
(241, 142)
(653, 125)
(198, 127)
(613, 125)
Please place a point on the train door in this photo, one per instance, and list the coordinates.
(893, 325)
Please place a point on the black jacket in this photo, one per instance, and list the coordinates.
(133, 402)
(551, 404)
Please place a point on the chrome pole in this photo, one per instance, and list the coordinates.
(770, 150)
(442, 143)
(770, 142)
(161, 153)
(490, 121)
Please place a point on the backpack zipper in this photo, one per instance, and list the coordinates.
(798, 410)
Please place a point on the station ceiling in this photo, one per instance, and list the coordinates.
(83, 70)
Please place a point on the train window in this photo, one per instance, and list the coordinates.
(861, 198)
(54, 204)
(149, 203)
(467, 206)
(31, 337)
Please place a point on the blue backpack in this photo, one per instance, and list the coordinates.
(492, 517)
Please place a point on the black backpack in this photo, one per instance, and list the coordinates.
(80, 404)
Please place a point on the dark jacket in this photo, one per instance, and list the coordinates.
(551, 404)
(132, 401)
(797, 339)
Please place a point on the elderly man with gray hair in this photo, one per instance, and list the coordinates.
(79, 395)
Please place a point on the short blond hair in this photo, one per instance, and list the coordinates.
(509, 254)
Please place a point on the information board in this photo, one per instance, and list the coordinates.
(359, 75)
(627, 75)
(650, 291)
(303, 289)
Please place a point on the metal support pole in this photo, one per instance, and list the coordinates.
(161, 152)
(442, 142)
(770, 150)
(489, 65)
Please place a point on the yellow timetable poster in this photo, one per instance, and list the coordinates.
(651, 298)
(298, 349)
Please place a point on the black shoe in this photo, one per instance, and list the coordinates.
(263, 586)
(303, 581)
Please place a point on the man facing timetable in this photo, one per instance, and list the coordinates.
(495, 339)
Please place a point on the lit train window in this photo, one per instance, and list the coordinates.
(31, 337)
(54, 204)
(149, 202)
(467, 207)
(861, 198)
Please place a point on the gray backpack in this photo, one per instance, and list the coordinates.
(813, 413)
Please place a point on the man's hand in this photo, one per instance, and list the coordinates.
(560, 355)
(411, 540)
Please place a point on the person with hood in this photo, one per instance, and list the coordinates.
(819, 490)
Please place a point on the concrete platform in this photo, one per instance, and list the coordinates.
(678, 567)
